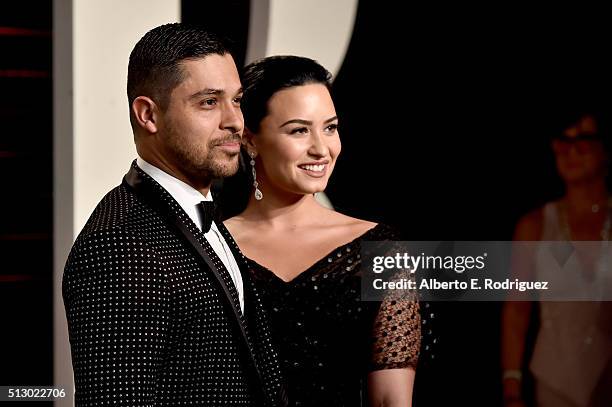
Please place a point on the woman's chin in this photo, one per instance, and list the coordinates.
(577, 176)
(309, 191)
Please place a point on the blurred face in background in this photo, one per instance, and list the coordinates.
(579, 152)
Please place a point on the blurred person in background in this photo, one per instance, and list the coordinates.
(571, 360)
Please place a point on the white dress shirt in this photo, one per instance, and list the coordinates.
(188, 198)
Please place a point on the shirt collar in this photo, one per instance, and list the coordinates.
(186, 195)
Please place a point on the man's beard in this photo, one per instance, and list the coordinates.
(205, 162)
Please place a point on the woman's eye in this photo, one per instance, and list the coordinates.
(332, 128)
(299, 130)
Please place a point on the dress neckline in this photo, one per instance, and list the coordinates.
(312, 267)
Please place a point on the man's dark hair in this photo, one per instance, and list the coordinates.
(154, 69)
(265, 77)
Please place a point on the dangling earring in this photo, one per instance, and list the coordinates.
(258, 194)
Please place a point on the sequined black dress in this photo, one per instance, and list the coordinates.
(327, 338)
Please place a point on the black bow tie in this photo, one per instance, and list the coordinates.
(207, 211)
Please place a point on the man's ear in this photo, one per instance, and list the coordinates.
(248, 141)
(146, 113)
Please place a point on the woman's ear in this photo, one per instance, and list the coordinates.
(248, 141)
(145, 113)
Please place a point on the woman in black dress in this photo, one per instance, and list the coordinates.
(335, 349)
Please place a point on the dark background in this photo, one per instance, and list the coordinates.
(26, 184)
(446, 116)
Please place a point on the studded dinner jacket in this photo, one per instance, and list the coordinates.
(153, 316)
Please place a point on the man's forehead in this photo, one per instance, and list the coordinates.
(213, 71)
(211, 64)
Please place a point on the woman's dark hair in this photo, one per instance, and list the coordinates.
(262, 79)
(571, 116)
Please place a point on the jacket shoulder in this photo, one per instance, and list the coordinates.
(118, 210)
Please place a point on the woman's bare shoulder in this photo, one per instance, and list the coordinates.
(355, 225)
(529, 227)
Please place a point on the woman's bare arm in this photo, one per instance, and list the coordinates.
(391, 387)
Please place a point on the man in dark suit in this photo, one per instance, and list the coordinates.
(159, 313)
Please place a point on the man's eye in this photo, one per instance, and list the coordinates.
(209, 102)
(238, 100)
(299, 130)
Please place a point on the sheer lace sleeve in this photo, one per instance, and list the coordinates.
(396, 335)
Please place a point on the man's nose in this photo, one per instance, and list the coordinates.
(232, 118)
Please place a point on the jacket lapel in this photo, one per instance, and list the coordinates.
(154, 194)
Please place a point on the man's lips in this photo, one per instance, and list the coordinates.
(232, 145)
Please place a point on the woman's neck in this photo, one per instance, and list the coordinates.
(283, 210)
(586, 196)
